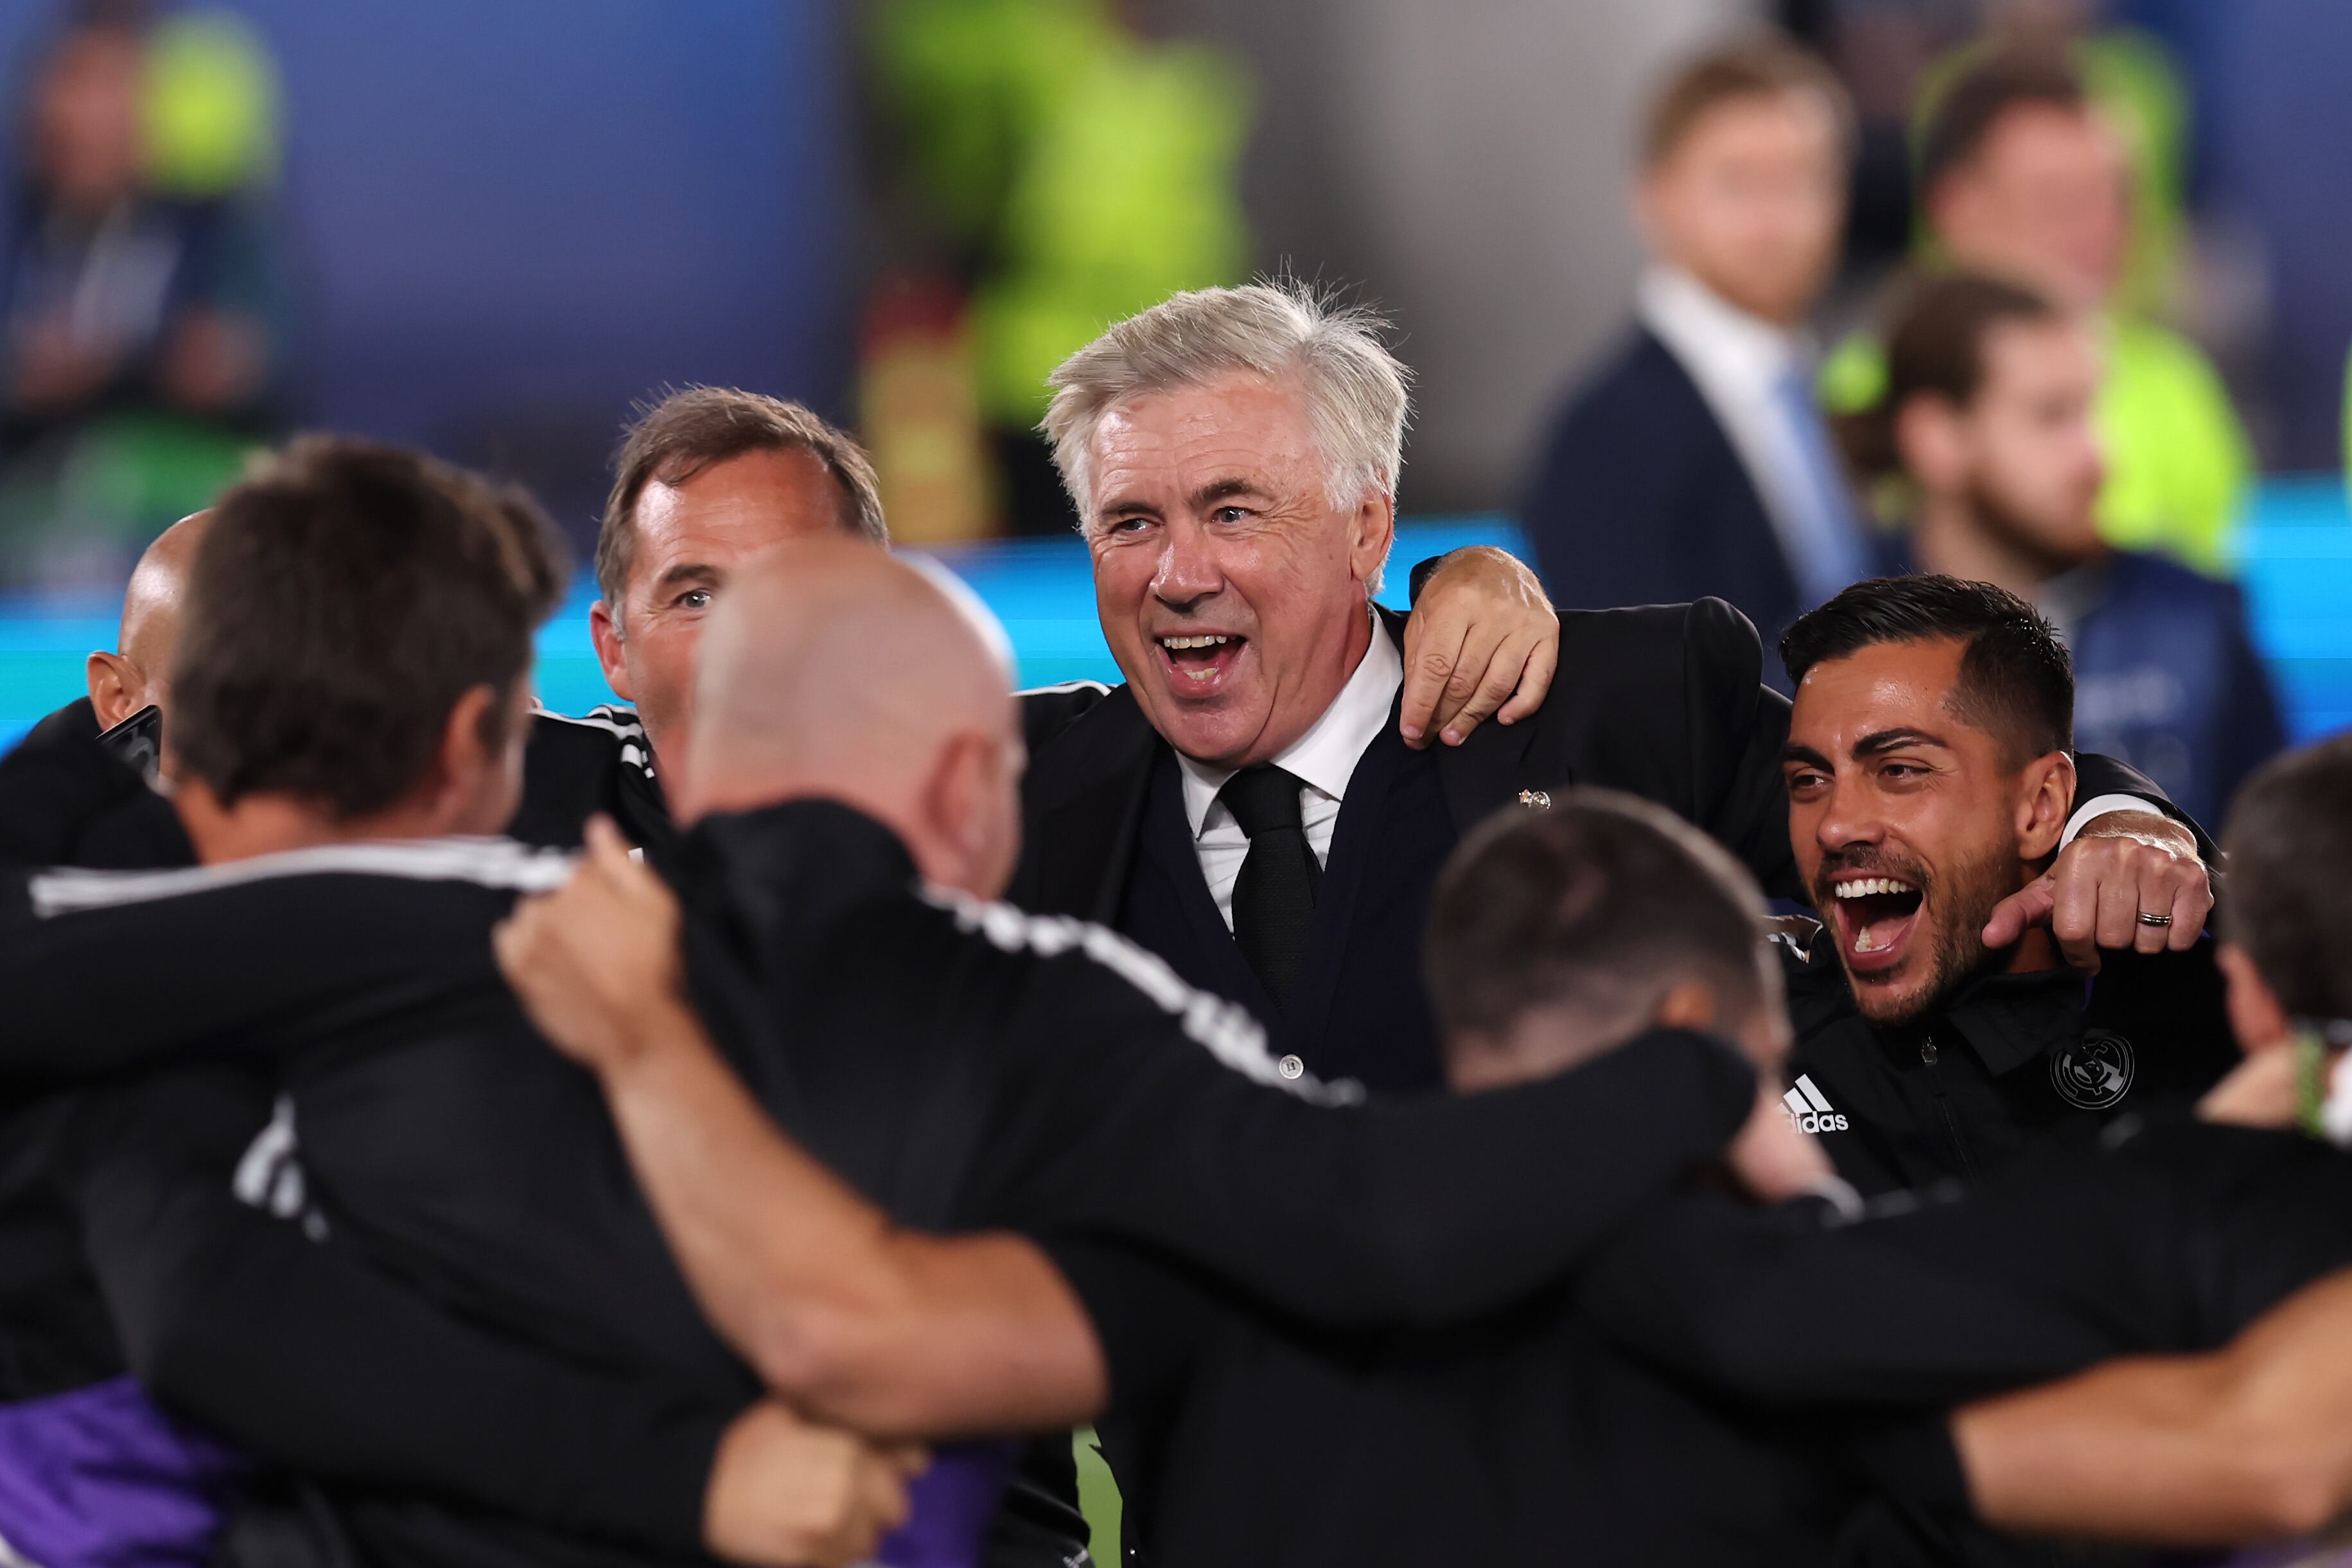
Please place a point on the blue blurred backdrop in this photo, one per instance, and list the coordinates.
(2297, 573)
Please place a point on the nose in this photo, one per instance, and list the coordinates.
(1188, 570)
(1846, 820)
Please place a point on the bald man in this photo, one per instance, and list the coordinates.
(137, 674)
(960, 1064)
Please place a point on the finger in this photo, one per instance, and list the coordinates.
(1425, 673)
(882, 1497)
(1535, 681)
(2190, 906)
(1479, 644)
(2028, 907)
(2118, 914)
(2155, 897)
(2074, 916)
(910, 1459)
(508, 946)
(605, 841)
(1505, 672)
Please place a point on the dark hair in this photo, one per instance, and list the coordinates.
(2017, 680)
(1765, 67)
(1599, 903)
(2288, 845)
(688, 430)
(1935, 348)
(1965, 112)
(346, 596)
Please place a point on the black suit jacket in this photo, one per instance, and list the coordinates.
(1661, 702)
(1639, 497)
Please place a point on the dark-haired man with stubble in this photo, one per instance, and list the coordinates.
(1930, 772)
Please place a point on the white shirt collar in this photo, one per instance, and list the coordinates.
(1726, 349)
(1325, 758)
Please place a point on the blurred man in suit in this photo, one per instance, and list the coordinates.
(1692, 463)
(1990, 424)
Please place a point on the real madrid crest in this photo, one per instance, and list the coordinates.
(2094, 1072)
(1535, 799)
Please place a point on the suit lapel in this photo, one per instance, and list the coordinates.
(1085, 808)
(1486, 771)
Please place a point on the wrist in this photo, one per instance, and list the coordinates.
(647, 1033)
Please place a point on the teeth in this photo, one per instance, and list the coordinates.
(1873, 885)
(1863, 943)
(1173, 644)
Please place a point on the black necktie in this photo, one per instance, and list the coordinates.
(1273, 897)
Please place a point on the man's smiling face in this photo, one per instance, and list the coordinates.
(1904, 816)
(1232, 590)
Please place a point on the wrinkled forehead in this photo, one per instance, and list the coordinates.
(1171, 442)
(722, 515)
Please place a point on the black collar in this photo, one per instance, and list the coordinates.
(2007, 1020)
(795, 866)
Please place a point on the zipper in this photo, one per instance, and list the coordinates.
(1927, 1055)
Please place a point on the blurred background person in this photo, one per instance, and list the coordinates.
(142, 319)
(1058, 167)
(1989, 432)
(1694, 461)
(2021, 175)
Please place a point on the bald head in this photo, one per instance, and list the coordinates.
(834, 669)
(138, 673)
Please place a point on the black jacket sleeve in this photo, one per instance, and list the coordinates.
(1737, 728)
(2075, 1254)
(307, 1357)
(2096, 775)
(1421, 1209)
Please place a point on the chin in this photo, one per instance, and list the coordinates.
(1205, 733)
(1887, 1004)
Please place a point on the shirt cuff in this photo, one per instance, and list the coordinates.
(2099, 806)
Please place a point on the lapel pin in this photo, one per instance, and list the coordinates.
(1535, 799)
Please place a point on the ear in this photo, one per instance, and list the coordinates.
(2255, 1015)
(1375, 531)
(954, 806)
(117, 689)
(605, 630)
(1932, 442)
(461, 763)
(1689, 1006)
(2042, 808)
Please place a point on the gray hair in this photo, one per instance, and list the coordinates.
(1355, 387)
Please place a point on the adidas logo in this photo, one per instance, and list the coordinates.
(1809, 1111)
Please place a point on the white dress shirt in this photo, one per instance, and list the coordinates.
(1324, 759)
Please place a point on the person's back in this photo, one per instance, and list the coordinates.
(382, 712)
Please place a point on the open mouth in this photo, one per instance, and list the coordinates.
(1876, 917)
(1199, 663)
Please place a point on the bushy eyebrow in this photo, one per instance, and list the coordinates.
(685, 572)
(1226, 489)
(1884, 740)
